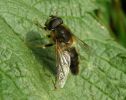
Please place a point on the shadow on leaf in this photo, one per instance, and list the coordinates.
(46, 57)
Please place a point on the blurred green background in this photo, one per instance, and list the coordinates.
(113, 14)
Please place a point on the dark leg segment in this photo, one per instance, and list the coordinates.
(49, 45)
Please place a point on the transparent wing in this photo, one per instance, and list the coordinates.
(83, 49)
(63, 67)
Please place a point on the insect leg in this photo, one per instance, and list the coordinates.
(49, 36)
(39, 45)
(54, 84)
(44, 46)
(49, 45)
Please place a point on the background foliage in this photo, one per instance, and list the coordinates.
(26, 73)
(113, 14)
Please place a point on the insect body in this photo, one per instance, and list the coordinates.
(67, 56)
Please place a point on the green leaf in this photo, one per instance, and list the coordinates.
(27, 73)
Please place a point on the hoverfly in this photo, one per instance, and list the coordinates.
(66, 54)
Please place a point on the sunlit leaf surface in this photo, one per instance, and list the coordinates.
(27, 73)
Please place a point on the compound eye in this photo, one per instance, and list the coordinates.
(53, 22)
(56, 22)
